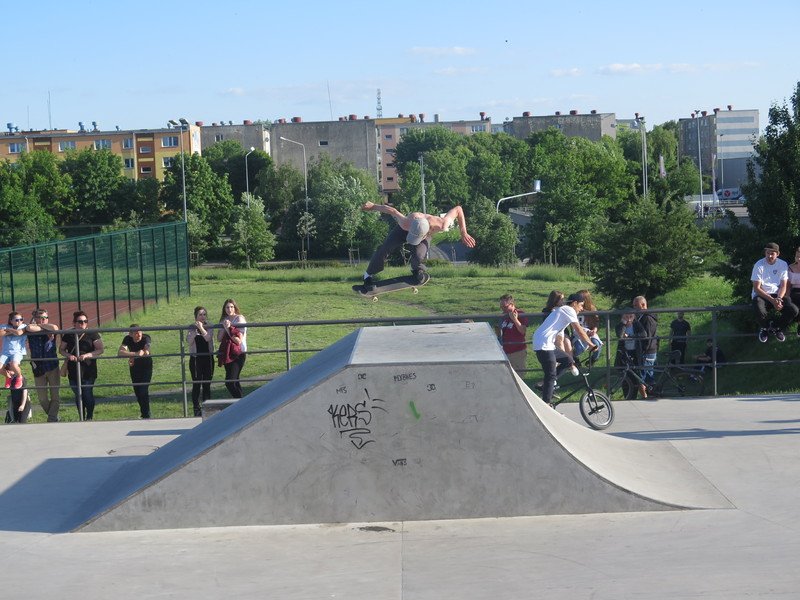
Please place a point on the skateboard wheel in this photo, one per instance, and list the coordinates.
(374, 298)
(415, 290)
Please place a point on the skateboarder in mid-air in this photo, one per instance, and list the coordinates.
(416, 229)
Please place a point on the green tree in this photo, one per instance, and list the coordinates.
(207, 195)
(228, 158)
(279, 187)
(251, 240)
(96, 177)
(651, 251)
(39, 175)
(495, 235)
(773, 195)
(142, 194)
(25, 221)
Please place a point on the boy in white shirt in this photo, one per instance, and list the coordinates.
(770, 279)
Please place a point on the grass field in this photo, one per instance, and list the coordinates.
(301, 295)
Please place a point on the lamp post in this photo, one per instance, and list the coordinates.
(537, 188)
(700, 163)
(643, 132)
(247, 175)
(305, 177)
(183, 124)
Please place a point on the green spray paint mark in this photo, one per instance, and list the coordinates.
(414, 410)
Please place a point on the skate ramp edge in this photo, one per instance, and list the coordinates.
(652, 470)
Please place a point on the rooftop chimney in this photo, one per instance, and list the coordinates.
(421, 117)
(730, 106)
(198, 123)
(353, 117)
(716, 110)
(558, 113)
(573, 112)
(483, 115)
(704, 112)
(297, 119)
(94, 125)
(247, 122)
(80, 126)
(527, 113)
(594, 111)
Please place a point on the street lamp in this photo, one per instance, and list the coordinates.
(247, 175)
(183, 124)
(537, 188)
(700, 164)
(643, 132)
(305, 176)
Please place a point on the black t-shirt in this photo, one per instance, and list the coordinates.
(140, 363)
(680, 329)
(85, 346)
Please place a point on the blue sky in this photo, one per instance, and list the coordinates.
(138, 64)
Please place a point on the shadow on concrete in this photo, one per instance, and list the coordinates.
(45, 499)
(158, 432)
(701, 434)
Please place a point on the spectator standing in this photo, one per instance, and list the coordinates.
(231, 336)
(770, 279)
(200, 340)
(513, 327)
(552, 359)
(679, 331)
(19, 406)
(136, 346)
(44, 362)
(626, 334)
(81, 348)
(646, 327)
(794, 282)
(13, 350)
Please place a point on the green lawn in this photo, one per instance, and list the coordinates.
(300, 295)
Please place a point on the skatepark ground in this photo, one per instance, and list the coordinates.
(747, 447)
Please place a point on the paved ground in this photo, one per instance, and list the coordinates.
(747, 447)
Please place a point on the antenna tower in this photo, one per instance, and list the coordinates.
(379, 107)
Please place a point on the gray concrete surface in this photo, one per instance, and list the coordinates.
(393, 424)
(747, 447)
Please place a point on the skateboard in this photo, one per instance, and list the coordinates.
(394, 284)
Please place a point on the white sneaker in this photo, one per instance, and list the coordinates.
(574, 370)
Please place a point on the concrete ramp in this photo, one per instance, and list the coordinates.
(392, 424)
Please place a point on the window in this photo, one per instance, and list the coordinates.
(477, 128)
(145, 149)
(127, 143)
(391, 151)
(64, 146)
(128, 163)
(403, 130)
(218, 137)
(15, 148)
(166, 161)
(388, 136)
(390, 164)
(145, 170)
(169, 141)
(102, 144)
(323, 142)
(390, 179)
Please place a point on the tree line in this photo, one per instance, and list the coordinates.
(591, 211)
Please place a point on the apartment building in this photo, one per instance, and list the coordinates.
(146, 153)
(593, 125)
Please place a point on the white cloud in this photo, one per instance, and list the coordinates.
(572, 72)
(234, 91)
(452, 71)
(436, 52)
(629, 69)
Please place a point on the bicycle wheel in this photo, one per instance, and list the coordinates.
(596, 409)
(629, 387)
(683, 383)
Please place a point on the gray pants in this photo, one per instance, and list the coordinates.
(50, 403)
(393, 241)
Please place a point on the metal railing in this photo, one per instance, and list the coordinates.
(289, 349)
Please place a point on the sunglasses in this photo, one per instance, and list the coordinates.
(17, 319)
(81, 320)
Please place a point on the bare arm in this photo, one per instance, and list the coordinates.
(457, 213)
(401, 219)
(776, 302)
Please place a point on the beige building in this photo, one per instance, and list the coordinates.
(145, 152)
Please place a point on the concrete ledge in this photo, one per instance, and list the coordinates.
(211, 407)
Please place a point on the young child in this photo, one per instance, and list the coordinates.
(13, 349)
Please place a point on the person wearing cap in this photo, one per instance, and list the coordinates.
(44, 362)
(553, 360)
(770, 279)
(645, 327)
(415, 229)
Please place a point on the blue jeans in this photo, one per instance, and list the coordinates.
(578, 346)
(87, 397)
(648, 375)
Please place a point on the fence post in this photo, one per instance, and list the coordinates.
(36, 275)
(155, 264)
(166, 265)
(58, 286)
(714, 348)
(77, 275)
(79, 377)
(141, 267)
(608, 356)
(111, 239)
(288, 354)
(96, 283)
(11, 278)
(183, 373)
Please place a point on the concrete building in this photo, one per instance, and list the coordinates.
(391, 131)
(145, 152)
(592, 126)
(351, 139)
(727, 138)
(248, 134)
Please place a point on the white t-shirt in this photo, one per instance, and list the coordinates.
(544, 338)
(769, 275)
